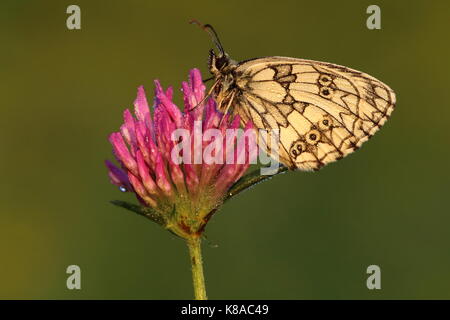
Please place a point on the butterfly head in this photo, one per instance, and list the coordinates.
(219, 64)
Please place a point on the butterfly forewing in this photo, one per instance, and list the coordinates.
(323, 111)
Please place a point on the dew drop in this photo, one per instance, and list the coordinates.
(123, 189)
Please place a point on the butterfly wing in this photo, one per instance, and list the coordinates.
(323, 111)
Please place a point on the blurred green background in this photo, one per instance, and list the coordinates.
(298, 236)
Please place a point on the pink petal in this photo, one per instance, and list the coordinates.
(161, 178)
(187, 93)
(128, 131)
(226, 178)
(191, 178)
(117, 176)
(177, 176)
(142, 110)
(122, 152)
(144, 173)
(197, 85)
(167, 103)
(169, 93)
(140, 190)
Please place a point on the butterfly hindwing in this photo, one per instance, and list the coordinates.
(322, 111)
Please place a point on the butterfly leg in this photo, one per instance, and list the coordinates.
(230, 101)
(208, 94)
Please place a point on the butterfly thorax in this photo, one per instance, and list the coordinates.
(222, 68)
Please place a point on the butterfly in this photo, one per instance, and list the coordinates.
(320, 111)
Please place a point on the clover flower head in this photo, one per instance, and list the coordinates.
(181, 196)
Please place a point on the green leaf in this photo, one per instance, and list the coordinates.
(250, 180)
(142, 211)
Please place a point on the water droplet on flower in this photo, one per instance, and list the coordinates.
(123, 189)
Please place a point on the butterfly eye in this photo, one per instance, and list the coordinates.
(313, 136)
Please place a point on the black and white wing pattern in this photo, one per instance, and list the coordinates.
(323, 111)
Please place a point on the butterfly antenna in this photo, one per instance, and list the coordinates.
(215, 38)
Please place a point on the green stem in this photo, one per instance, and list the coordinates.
(198, 279)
